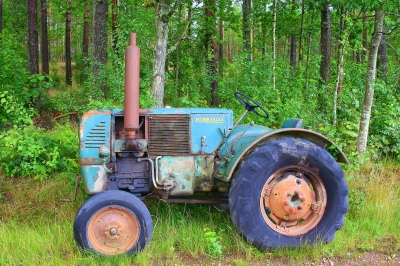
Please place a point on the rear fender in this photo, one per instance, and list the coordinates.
(299, 133)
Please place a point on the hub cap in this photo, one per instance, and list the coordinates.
(113, 230)
(293, 200)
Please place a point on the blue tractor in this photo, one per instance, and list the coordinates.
(282, 186)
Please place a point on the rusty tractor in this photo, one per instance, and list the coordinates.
(282, 186)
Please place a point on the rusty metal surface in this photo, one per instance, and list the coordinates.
(204, 167)
(94, 178)
(87, 116)
(113, 230)
(169, 135)
(293, 200)
(132, 78)
(75, 190)
(176, 174)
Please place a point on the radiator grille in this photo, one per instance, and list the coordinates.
(169, 135)
(96, 136)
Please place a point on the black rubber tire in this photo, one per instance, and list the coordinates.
(117, 199)
(254, 171)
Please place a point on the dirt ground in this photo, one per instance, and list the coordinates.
(366, 259)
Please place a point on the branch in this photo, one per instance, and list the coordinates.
(64, 115)
(171, 12)
(182, 37)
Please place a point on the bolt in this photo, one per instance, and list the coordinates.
(290, 209)
(113, 231)
(300, 208)
(303, 199)
(289, 195)
(286, 203)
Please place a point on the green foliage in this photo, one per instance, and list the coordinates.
(214, 246)
(18, 90)
(30, 151)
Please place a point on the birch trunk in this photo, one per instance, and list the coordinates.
(370, 82)
(160, 54)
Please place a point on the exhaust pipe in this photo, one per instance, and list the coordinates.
(132, 79)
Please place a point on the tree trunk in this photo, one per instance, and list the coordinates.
(292, 53)
(221, 46)
(99, 44)
(325, 44)
(274, 45)
(229, 49)
(309, 53)
(301, 33)
(162, 8)
(382, 56)
(364, 37)
(45, 42)
(33, 42)
(85, 41)
(68, 68)
(370, 82)
(246, 5)
(339, 80)
(114, 9)
(1, 16)
(86, 28)
(211, 48)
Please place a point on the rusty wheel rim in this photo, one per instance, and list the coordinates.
(293, 200)
(113, 230)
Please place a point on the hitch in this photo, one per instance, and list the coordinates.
(75, 190)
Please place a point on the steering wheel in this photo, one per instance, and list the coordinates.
(250, 104)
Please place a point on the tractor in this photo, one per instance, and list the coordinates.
(283, 187)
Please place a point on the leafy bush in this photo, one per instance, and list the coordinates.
(30, 151)
(18, 90)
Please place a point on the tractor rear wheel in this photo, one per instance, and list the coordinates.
(112, 223)
(288, 192)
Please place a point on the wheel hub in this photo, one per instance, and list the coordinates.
(113, 230)
(293, 200)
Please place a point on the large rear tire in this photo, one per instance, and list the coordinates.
(287, 193)
(112, 223)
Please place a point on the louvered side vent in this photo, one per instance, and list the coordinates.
(169, 135)
(96, 136)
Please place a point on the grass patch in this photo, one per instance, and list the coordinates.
(36, 228)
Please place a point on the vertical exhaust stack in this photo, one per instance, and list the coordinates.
(132, 78)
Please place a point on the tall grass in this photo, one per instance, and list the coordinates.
(36, 228)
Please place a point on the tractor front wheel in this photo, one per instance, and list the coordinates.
(288, 192)
(112, 223)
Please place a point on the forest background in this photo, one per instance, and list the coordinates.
(335, 64)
